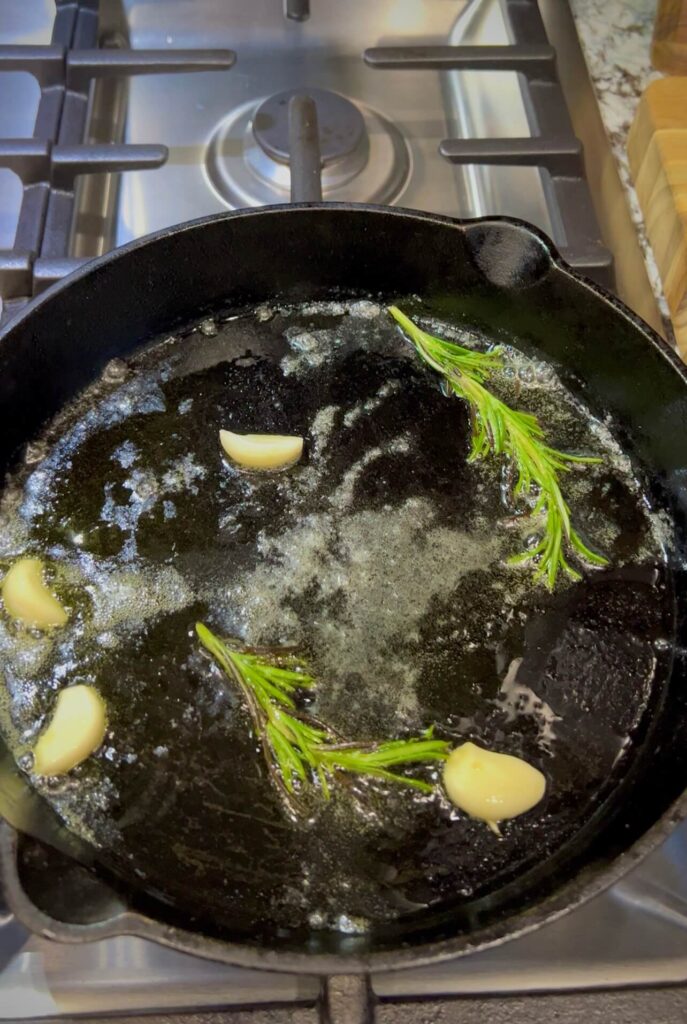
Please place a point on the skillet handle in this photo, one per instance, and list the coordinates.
(347, 999)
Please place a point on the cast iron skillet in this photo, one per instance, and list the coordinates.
(496, 275)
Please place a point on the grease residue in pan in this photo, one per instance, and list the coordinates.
(382, 555)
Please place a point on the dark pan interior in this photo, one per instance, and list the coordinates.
(493, 276)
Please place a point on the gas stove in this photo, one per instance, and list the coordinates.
(126, 142)
(139, 114)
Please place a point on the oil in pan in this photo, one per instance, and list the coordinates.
(381, 556)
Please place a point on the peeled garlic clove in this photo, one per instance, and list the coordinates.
(491, 786)
(27, 598)
(262, 451)
(76, 729)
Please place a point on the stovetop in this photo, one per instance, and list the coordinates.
(460, 109)
(633, 935)
(407, 113)
(438, 125)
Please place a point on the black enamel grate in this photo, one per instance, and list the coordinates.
(48, 163)
(552, 146)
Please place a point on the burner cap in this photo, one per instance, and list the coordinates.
(243, 173)
(341, 125)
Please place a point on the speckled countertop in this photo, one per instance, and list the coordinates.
(616, 40)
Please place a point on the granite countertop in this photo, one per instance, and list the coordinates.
(616, 40)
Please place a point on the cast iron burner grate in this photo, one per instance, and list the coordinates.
(552, 146)
(49, 163)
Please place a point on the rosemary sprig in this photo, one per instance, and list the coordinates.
(497, 429)
(297, 747)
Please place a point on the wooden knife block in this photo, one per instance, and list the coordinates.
(657, 151)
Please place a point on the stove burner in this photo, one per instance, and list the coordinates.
(365, 158)
(342, 128)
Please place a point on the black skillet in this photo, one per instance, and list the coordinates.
(500, 276)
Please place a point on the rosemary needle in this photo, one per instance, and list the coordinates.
(498, 429)
(297, 747)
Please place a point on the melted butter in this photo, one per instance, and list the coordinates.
(382, 555)
(491, 786)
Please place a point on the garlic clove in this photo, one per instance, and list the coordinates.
(491, 786)
(261, 451)
(28, 599)
(75, 731)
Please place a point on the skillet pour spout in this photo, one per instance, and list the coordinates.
(496, 276)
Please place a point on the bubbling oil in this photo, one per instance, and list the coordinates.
(382, 555)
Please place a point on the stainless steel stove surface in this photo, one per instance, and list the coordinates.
(384, 120)
(215, 162)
